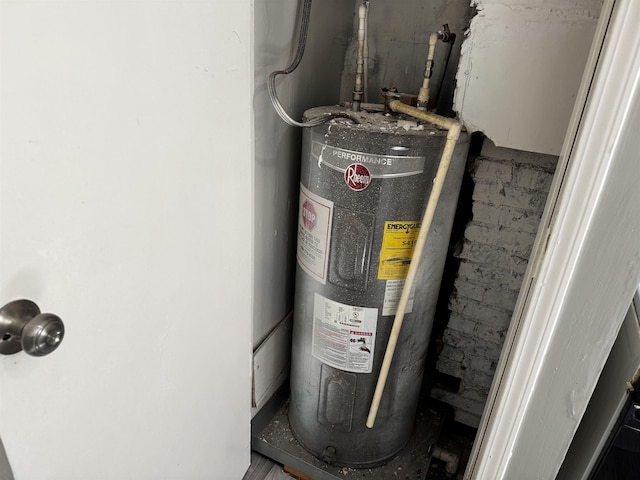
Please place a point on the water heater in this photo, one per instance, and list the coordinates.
(364, 185)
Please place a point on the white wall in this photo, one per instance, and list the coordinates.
(277, 146)
(521, 67)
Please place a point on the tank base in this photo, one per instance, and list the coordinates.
(272, 437)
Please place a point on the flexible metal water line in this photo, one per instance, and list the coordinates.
(454, 128)
(271, 83)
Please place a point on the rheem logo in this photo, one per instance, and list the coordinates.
(309, 217)
(357, 177)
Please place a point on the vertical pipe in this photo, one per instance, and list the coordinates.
(359, 89)
(423, 95)
(366, 55)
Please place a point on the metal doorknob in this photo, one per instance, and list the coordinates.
(23, 327)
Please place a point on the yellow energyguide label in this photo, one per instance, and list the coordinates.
(398, 242)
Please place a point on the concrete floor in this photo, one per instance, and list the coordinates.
(455, 437)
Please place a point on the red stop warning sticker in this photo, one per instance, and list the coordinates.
(314, 234)
(357, 177)
(309, 216)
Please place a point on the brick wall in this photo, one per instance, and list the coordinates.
(510, 191)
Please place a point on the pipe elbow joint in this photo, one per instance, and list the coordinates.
(451, 460)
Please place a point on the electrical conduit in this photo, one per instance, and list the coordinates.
(271, 83)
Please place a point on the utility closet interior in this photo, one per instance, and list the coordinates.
(509, 72)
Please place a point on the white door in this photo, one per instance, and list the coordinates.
(125, 208)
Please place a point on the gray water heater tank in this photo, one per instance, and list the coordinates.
(363, 191)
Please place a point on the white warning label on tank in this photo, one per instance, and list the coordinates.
(314, 234)
(392, 293)
(344, 336)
